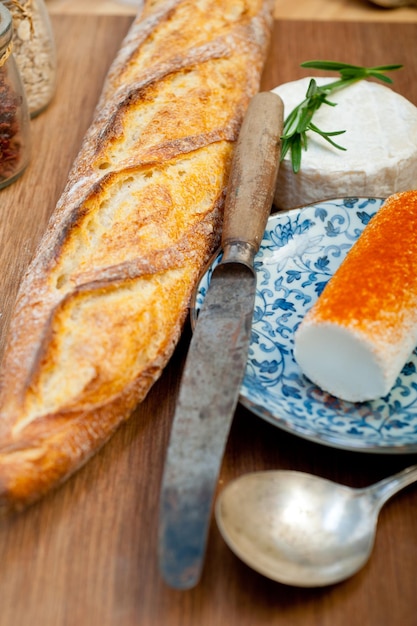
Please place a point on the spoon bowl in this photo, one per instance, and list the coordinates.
(300, 529)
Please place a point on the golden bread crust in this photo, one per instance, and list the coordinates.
(102, 305)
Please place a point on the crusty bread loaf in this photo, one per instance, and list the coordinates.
(102, 305)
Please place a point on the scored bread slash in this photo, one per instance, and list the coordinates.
(358, 335)
(102, 305)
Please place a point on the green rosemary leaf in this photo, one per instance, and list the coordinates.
(327, 65)
(385, 79)
(296, 125)
(285, 146)
(387, 68)
(312, 88)
(296, 149)
(326, 135)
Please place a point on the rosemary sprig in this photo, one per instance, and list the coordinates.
(299, 121)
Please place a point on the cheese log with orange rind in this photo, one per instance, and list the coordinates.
(358, 335)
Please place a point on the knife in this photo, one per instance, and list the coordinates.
(217, 356)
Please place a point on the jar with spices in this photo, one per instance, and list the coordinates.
(14, 114)
(34, 51)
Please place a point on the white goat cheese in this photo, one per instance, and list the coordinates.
(360, 332)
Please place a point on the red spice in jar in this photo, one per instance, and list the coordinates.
(10, 146)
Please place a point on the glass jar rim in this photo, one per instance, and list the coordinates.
(5, 26)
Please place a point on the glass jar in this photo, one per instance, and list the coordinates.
(34, 51)
(14, 114)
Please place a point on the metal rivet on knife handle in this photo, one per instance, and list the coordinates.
(217, 356)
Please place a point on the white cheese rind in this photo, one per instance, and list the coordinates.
(380, 140)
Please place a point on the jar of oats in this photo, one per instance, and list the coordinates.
(34, 51)
(14, 114)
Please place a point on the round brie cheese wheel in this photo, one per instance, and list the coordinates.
(380, 139)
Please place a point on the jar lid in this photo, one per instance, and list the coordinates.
(5, 26)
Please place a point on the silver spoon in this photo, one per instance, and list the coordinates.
(300, 529)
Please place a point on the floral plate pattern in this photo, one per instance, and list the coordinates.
(300, 251)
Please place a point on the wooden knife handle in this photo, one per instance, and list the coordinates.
(253, 178)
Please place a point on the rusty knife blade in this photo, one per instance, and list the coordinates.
(216, 361)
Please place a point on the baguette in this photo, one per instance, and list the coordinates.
(102, 305)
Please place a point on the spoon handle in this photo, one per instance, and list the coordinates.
(386, 488)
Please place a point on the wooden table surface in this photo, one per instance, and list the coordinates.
(362, 10)
(86, 554)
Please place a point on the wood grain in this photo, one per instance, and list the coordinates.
(355, 10)
(87, 554)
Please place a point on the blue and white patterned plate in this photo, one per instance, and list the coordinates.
(301, 249)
